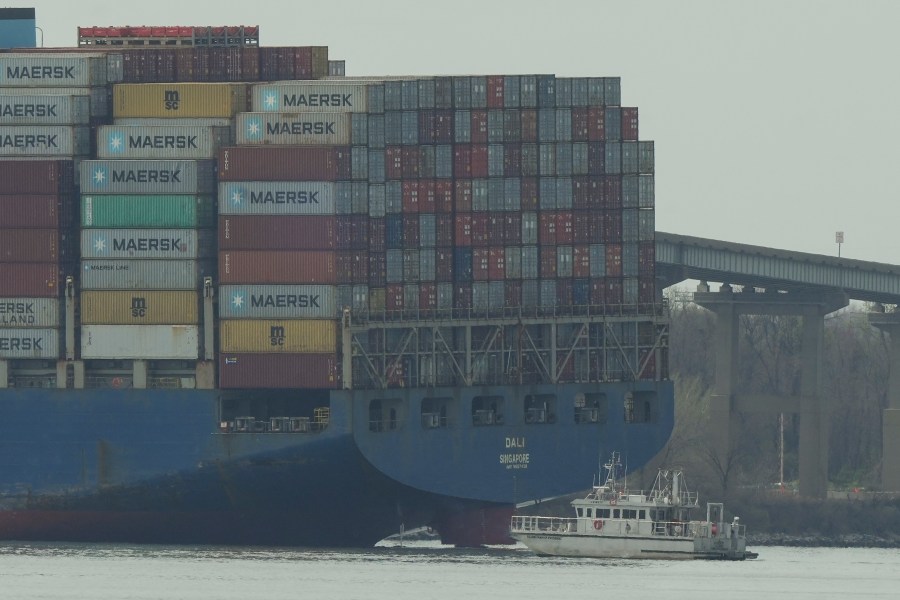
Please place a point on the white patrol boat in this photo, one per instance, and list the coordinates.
(611, 522)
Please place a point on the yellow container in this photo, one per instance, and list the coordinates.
(130, 307)
(179, 100)
(293, 335)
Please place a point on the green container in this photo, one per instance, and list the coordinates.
(168, 212)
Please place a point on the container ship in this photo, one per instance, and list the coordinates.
(248, 299)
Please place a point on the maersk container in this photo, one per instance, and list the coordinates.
(159, 122)
(44, 109)
(99, 96)
(279, 232)
(179, 100)
(136, 342)
(309, 96)
(35, 211)
(276, 198)
(278, 302)
(53, 70)
(318, 129)
(30, 312)
(29, 343)
(283, 335)
(44, 140)
(176, 211)
(165, 142)
(36, 245)
(139, 307)
(243, 371)
(145, 274)
(147, 243)
(148, 177)
(42, 280)
(254, 266)
(284, 163)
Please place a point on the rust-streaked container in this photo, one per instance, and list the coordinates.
(256, 266)
(289, 232)
(241, 371)
(36, 211)
(179, 100)
(144, 307)
(42, 280)
(35, 245)
(283, 335)
(284, 163)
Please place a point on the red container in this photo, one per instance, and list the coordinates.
(377, 269)
(410, 231)
(564, 227)
(613, 260)
(303, 62)
(410, 196)
(443, 127)
(443, 196)
(646, 258)
(462, 296)
(598, 291)
(376, 235)
(249, 266)
(612, 226)
(529, 125)
(165, 65)
(393, 297)
(352, 232)
(629, 124)
(512, 290)
(596, 158)
(564, 292)
(495, 91)
(36, 245)
(548, 262)
(530, 193)
(462, 162)
(427, 296)
(427, 127)
(612, 192)
(495, 225)
(42, 212)
(352, 267)
(464, 229)
(547, 222)
(462, 196)
(596, 124)
(579, 124)
(50, 177)
(613, 291)
(410, 158)
(443, 264)
(481, 259)
(497, 264)
(479, 166)
(512, 160)
(427, 199)
(284, 163)
(443, 230)
(481, 234)
(184, 65)
(277, 370)
(478, 133)
(393, 162)
(581, 261)
(512, 229)
(282, 232)
(249, 64)
(581, 232)
(646, 289)
(41, 280)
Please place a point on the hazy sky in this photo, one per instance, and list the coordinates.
(776, 122)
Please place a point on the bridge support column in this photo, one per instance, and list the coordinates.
(814, 409)
(890, 432)
(724, 424)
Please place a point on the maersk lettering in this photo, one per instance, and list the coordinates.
(285, 300)
(37, 72)
(147, 244)
(317, 100)
(162, 141)
(28, 110)
(25, 343)
(299, 128)
(298, 197)
(147, 176)
(17, 308)
(29, 141)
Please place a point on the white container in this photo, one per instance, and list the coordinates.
(147, 243)
(182, 122)
(53, 70)
(29, 343)
(44, 109)
(144, 274)
(159, 342)
(44, 140)
(147, 176)
(132, 141)
(276, 198)
(99, 96)
(29, 312)
(318, 128)
(277, 302)
(312, 96)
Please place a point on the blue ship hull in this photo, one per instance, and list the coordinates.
(155, 466)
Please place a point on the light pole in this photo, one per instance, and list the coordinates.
(42, 35)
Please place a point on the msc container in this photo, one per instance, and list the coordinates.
(53, 70)
(30, 312)
(276, 198)
(29, 343)
(284, 163)
(42, 280)
(319, 128)
(253, 266)
(139, 307)
(35, 245)
(35, 211)
(124, 342)
(277, 302)
(177, 211)
(44, 140)
(179, 100)
(278, 232)
(309, 96)
(239, 371)
(144, 274)
(98, 103)
(147, 243)
(44, 109)
(285, 335)
(169, 142)
(148, 177)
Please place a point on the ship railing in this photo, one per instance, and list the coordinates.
(543, 524)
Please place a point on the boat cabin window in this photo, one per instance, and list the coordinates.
(617, 513)
(435, 412)
(580, 511)
(641, 407)
(385, 414)
(603, 513)
(590, 408)
(487, 410)
(540, 408)
(629, 513)
(642, 514)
